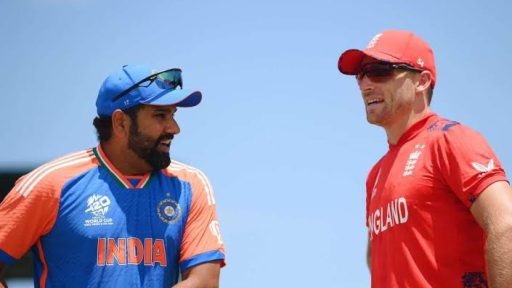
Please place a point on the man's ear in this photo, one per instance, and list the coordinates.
(120, 124)
(424, 81)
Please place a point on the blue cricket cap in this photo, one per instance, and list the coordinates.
(154, 94)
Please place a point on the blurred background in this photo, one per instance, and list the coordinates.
(281, 133)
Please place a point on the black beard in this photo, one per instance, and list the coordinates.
(146, 148)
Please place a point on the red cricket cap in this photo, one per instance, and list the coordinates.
(393, 46)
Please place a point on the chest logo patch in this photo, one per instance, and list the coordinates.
(169, 211)
(98, 206)
(413, 159)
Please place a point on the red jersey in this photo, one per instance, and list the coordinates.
(418, 199)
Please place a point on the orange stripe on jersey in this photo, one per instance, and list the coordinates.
(44, 274)
(34, 177)
(176, 167)
(26, 180)
(202, 233)
(31, 208)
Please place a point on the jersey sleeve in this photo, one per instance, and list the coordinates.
(27, 212)
(467, 163)
(202, 240)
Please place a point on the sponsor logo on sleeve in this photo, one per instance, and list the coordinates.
(483, 168)
(215, 230)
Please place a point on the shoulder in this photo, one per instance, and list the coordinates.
(185, 172)
(444, 128)
(197, 179)
(54, 174)
(442, 133)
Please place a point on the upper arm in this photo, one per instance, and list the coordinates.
(202, 241)
(24, 217)
(493, 207)
(203, 275)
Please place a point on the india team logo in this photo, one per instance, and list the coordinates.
(169, 211)
(98, 206)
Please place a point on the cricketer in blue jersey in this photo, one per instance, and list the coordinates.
(120, 214)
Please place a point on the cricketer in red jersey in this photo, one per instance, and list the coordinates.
(438, 204)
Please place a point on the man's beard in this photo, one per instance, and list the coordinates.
(146, 148)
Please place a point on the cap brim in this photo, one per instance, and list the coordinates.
(350, 60)
(178, 97)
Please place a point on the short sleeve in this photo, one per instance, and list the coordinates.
(202, 240)
(467, 163)
(27, 212)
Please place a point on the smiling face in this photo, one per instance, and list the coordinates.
(151, 133)
(388, 100)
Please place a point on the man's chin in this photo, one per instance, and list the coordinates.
(160, 162)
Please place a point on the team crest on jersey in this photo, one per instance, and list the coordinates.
(413, 158)
(169, 211)
(97, 206)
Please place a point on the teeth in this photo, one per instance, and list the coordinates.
(371, 101)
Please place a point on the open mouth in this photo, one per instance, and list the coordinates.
(164, 145)
(374, 101)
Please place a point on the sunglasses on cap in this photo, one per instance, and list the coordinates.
(167, 79)
(381, 71)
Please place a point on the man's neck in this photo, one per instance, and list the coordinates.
(125, 160)
(395, 130)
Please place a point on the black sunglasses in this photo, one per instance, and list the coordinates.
(167, 79)
(381, 71)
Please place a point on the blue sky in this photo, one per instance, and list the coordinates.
(280, 133)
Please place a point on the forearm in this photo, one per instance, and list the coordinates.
(499, 258)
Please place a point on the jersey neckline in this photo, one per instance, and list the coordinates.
(116, 174)
(414, 130)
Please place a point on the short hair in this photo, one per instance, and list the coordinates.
(103, 125)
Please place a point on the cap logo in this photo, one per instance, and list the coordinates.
(420, 62)
(374, 41)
